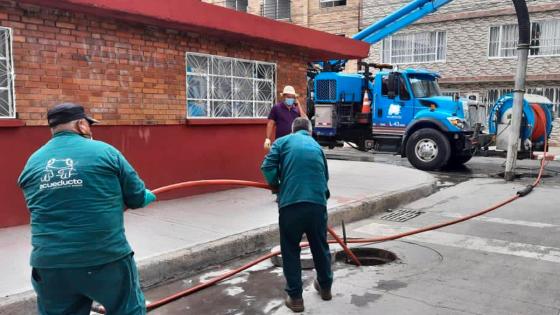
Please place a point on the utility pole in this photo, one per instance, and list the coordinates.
(519, 91)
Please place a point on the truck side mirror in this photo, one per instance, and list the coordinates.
(392, 85)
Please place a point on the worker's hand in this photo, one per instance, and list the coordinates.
(267, 144)
(149, 197)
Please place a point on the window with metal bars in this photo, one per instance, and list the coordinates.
(7, 99)
(420, 47)
(276, 9)
(550, 92)
(545, 40)
(223, 87)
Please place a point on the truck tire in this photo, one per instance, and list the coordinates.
(428, 149)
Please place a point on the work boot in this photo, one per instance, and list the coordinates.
(325, 294)
(296, 305)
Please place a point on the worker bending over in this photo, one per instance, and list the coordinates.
(76, 190)
(282, 115)
(297, 168)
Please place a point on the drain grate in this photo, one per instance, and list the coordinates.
(401, 215)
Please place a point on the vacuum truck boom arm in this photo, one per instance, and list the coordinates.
(392, 23)
(399, 19)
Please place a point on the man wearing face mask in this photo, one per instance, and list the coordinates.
(76, 190)
(282, 115)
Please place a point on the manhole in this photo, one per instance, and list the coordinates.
(401, 215)
(368, 256)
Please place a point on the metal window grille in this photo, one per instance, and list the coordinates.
(551, 92)
(545, 40)
(7, 98)
(421, 47)
(331, 3)
(223, 87)
(276, 9)
(239, 5)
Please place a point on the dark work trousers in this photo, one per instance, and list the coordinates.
(311, 219)
(71, 291)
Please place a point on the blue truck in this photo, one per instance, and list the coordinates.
(396, 110)
(401, 111)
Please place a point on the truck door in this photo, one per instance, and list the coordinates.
(393, 112)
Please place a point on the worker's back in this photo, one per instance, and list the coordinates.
(303, 170)
(76, 190)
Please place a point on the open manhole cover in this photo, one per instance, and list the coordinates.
(368, 256)
(401, 215)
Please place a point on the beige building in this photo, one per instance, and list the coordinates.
(340, 17)
(472, 44)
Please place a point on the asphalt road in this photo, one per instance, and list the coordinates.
(505, 262)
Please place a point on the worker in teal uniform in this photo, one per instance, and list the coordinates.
(76, 189)
(297, 168)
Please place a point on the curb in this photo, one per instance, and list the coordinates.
(188, 261)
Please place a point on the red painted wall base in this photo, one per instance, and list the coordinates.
(162, 155)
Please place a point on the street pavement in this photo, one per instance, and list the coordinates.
(505, 262)
(169, 226)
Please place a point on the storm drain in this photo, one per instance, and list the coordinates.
(401, 215)
(368, 256)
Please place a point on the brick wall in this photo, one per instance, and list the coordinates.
(124, 73)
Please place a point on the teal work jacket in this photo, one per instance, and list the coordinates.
(76, 190)
(297, 165)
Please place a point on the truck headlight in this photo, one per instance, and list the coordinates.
(457, 122)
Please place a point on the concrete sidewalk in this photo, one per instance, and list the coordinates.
(171, 238)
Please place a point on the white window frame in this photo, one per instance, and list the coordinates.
(209, 99)
(10, 74)
(501, 26)
(237, 8)
(390, 40)
(275, 17)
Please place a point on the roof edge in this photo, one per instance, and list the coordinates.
(196, 16)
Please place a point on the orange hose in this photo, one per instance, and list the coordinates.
(540, 122)
(344, 247)
(209, 182)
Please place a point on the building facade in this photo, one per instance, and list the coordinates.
(472, 44)
(183, 95)
(339, 17)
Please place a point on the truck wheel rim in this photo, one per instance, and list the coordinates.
(426, 150)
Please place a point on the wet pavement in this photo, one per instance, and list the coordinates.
(505, 262)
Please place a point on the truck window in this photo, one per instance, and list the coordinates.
(424, 85)
(403, 91)
(384, 88)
